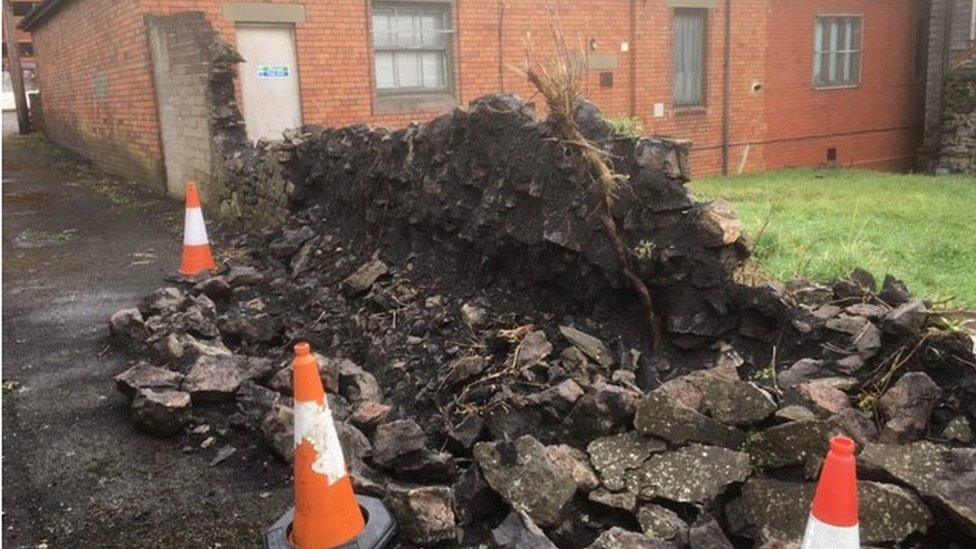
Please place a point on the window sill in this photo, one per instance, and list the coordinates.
(415, 102)
(839, 87)
(691, 110)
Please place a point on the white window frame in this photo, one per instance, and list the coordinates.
(840, 52)
(443, 8)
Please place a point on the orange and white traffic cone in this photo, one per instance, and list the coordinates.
(326, 512)
(833, 522)
(197, 256)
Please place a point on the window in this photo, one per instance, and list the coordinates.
(22, 8)
(689, 57)
(837, 52)
(412, 45)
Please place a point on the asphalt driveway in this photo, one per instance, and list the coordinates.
(76, 473)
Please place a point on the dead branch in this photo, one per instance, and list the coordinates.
(560, 82)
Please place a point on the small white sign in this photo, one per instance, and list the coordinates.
(274, 71)
(658, 110)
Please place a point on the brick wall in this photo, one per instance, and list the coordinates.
(95, 77)
(777, 120)
(874, 125)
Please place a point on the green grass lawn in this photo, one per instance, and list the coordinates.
(820, 224)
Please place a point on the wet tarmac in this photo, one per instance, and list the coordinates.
(76, 472)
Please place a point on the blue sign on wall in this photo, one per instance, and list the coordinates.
(274, 71)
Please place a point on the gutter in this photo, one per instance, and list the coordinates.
(36, 16)
(727, 89)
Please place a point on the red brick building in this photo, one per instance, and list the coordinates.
(795, 82)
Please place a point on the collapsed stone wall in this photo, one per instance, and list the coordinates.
(957, 148)
(495, 178)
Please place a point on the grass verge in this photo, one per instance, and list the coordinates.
(820, 224)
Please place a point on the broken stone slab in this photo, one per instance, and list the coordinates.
(618, 538)
(958, 430)
(255, 367)
(732, 401)
(625, 501)
(301, 261)
(793, 443)
(939, 473)
(661, 415)
(574, 463)
(146, 376)
(825, 397)
(256, 400)
(908, 405)
(601, 410)
(357, 384)
(865, 336)
(613, 456)
(867, 310)
(368, 414)
(128, 323)
(161, 301)
(427, 466)
(355, 446)
(888, 513)
(474, 497)
(533, 348)
(290, 241)
(397, 441)
(162, 412)
(858, 425)
(278, 430)
(462, 436)
(659, 522)
(215, 287)
(588, 345)
(720, 225)
(693, 474)
(193, 349)
(686, 393)
(425, 514)
(518, 531)
(560, 397)
(911, 316)
(365, 276)
(801, 371)
(465, 368)
(795, 412)
(706, 532)
(894, 292)
(260, 328)
(214, 379)
(524, 476)
(240, 276)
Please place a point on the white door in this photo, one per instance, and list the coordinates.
(269, 80)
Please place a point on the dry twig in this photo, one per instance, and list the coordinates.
(560, 82)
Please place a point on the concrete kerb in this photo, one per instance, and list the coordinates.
(379, 531)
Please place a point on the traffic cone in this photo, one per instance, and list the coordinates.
(197, 256)
(326, 512)
(833, 519)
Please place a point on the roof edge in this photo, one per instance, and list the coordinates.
(40, 13)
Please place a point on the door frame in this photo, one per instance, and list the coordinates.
(298, 72)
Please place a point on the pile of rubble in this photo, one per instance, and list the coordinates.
(489, 380)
